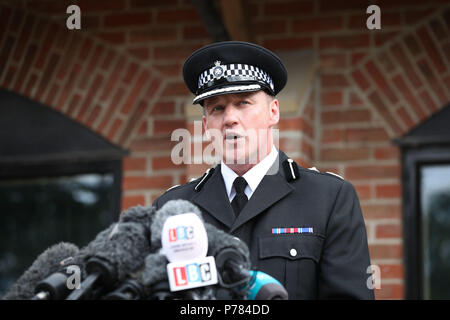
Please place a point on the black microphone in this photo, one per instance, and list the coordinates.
(47, 263)
(129, 289)
(139, 214)
(234, 269)
(149, 282)
(229, 249)
(154, 277)
(111, 256)
(109, 260)
(232, 261)
(56, 286)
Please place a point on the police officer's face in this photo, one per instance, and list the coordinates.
(244, 122)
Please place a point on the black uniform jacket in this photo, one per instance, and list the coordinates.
(329, 263)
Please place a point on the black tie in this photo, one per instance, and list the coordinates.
(240, 199)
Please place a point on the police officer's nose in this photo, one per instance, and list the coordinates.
(230, 116)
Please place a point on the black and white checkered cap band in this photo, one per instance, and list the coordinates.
(233, 72)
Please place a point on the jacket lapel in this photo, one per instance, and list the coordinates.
(213, 199)
(271, 189)
(213, 196)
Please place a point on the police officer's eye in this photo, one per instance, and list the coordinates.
(217, 108)
(244, 102)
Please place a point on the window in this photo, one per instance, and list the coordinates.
(435, 222)
(426, 207)
(40, 212)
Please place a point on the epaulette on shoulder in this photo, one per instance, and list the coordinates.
(173, 187)
(335, 174)
(327, 173)
(181, 185)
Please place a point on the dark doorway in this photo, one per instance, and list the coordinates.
(59, 181)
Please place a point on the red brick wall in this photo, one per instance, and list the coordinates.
(120, 75)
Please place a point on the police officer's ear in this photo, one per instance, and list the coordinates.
(274, 110)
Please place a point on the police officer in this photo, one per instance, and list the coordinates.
(303, 227)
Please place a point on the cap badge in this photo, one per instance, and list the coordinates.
(218, 71)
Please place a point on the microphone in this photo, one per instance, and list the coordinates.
(47, 263)
(262, 286)
(232, 258)
(129, 289)
(56, 286)
(232, 261)
(169, 209)
(139, 214)
(179, 233)
(111, 256)
(219, 241)
(154, 277)
(233, 264)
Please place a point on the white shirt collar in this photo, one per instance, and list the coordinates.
(252, 176)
